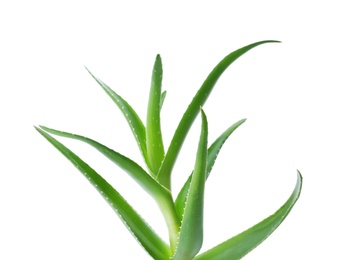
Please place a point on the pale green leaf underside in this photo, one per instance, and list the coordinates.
(154, 142)
(191, 231)
(151, 242)
(193, 110)
(133, 169)
(212, 154)
(136, 125)
(241, 244)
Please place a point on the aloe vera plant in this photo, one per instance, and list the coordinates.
(184, 214)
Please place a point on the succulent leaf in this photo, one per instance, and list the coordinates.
(133, 169)
(136, 125)
(151, 242)
(212, 154)
(191, 231)
(154, 141)
(241, 244)
(192, 111)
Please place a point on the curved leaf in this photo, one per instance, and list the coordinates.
(191, 231)
(150, 241)
(240, 245)
(133, 169)
(154, 141)
(193, 110)
(136, 125)
(212, 154)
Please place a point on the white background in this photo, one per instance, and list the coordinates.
(287, 92)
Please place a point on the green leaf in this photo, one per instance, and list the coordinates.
(191, 232)
(213, 152)
(154, 142)
(162, 196)
(136, 125)
(240, 245)
(150, 241)
(133, 169)
(193, 110)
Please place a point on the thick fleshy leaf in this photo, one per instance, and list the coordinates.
(159, 193)
(150, 241)
(240, 245)
(154, 142)
(133, 169)
(193, 110)
(136, 125)
(212, 154)
(191, 231)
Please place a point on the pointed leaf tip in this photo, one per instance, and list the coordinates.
(240, 245)
(192, 111)
(135, 123)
